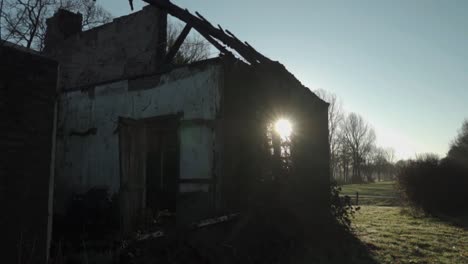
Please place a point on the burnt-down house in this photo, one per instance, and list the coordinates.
(198, 140)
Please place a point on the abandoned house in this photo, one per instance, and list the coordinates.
(199, 140)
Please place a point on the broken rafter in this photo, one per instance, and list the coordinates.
(211, 33)
(176, 46)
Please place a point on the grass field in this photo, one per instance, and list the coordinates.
(393, 235)
(396, 237)
(379, 193)
(378, 189)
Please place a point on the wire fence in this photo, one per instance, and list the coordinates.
(365, 199)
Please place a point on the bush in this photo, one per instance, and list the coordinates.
(435, 186)
(341, 207)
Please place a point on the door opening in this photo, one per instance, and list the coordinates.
(149, 168)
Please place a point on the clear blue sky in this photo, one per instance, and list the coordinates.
(401, 64)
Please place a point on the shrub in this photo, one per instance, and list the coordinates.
(435, 186)
(341, 207)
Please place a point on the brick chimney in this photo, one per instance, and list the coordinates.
(61, 26)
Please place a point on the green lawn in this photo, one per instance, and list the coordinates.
(379, 193)
(378, 189)
(395, 236)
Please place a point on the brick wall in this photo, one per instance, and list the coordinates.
(129, 46)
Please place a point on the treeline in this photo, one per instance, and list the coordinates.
(354, 155)
(438, 186)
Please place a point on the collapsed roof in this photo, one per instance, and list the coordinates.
(217, 36)
(220, 38)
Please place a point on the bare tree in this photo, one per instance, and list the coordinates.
(24, 21)
(390, 154)
(359, 139)
(343, 159)
(335, 117)
(459, 147)
(93, 14)
(369, 168)
(1, 12)
(381, 160)
(194, 48)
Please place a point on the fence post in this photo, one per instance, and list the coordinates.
(357, 198)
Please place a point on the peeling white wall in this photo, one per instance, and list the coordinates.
(93, 160)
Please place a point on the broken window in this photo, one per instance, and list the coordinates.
(279, 137)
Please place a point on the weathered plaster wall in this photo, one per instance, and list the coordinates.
(93, 160)
(128, 46)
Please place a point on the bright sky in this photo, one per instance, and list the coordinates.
(401, 64)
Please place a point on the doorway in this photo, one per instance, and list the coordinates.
(149, 168)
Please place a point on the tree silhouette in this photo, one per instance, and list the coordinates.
(335, 117)
(459, 148)
(359, 139)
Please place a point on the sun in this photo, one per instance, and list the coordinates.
(284, 128)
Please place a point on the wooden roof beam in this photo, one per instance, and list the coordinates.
(176, 46)
(210, 32)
